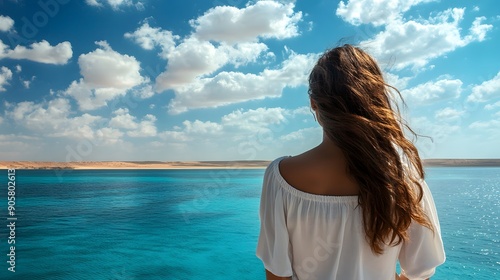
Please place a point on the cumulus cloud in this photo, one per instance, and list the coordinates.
(222, 36)
(144, 128)
(380, 12)
(194, 58)
(252, 120)
(192, 130)
(302, 134)
(396, 81)
(235, 125)
(449, 114)
(5, 76)
(485, 91)
(234, 87)
(6, 23)
(478, 30)
(41, 52)
(492, 106)
(414, 43)
(265, 19)
(116, 4)
(150, 37)
(492, 125)
(433, 91)
(199, 127)
(107, 74)
(106, 68)
(52, 118)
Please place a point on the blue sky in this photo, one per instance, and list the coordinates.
(227, 79)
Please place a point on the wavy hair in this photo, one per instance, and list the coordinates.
(353, 104)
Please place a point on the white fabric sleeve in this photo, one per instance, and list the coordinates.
(273, 246)
(424, 250)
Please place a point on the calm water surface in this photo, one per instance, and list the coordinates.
(202, 224)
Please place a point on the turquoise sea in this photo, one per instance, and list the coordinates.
(201, 224)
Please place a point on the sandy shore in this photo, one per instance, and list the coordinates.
(462, 162)
(200, 164)
(133, 164)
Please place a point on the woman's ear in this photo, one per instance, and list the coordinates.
(313, 104)
(313, 109)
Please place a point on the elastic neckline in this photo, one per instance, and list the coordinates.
(315, 197)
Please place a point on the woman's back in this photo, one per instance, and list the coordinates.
(317, 236)
(321, 170)
(361, 191)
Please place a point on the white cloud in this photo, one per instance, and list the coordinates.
(116, 4)
(94, 3)
(302, 134)
(236, 33)
(396, 81)
(478, 30)
(380, 12)
(18, 68)
(27, 83)
(5, 76)
(192, 130)
(148, 38)
(6, 23)
(109, 136)
(304, 110)
(174, 136)
(52, 118)
(492, 106)
(265, 19)
(107, 74)
(433, 91)
(428, 39)
(493, 125)
(441, 133)
(194, 58)
(123, 120)
(41, 52)
(144, 128)
(234, 87)
(199, 127)
(145, 92)
(235, 126)
(448, 114)
(252, 120)
(486, 90)
(106, 68)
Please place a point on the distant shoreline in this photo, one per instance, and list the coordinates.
(81, 165)
(462, 162)
(240, 164)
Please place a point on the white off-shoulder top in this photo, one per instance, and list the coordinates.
(307, 236)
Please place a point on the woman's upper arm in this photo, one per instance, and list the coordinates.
(273, 245)
(424, 251)
(270, 276)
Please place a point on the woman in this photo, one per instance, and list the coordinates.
(353, 206)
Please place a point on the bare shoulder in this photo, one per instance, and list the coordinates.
(296, 166)
(317, 173)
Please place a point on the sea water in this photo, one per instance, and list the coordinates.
(200, 224)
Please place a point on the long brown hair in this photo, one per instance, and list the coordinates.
(354, 107)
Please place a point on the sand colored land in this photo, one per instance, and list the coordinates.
(133, 164)
(462, 162)
(200, 164)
